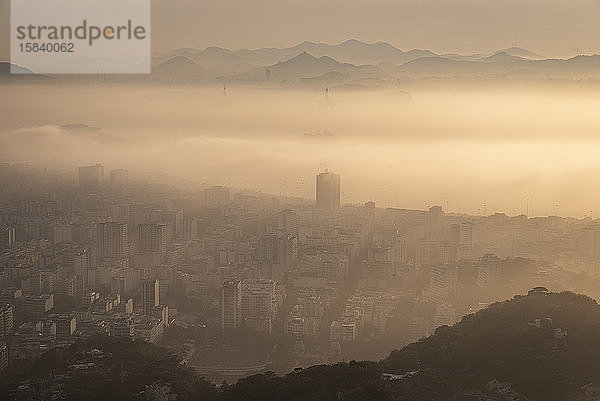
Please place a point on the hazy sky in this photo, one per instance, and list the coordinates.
(550, 27)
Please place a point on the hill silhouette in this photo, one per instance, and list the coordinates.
(499, 346)
(520, 52)
(305, 65)
(352, 64)
(178, 67)
(350, 51)
(535, 347)
(103, 368)
(501, 343)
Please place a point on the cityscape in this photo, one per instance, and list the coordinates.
(238, 283)
(266, 200)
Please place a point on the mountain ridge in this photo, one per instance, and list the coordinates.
(351, 50)
(361, 60)
(363, 65)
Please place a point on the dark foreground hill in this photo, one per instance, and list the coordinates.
(536, 347)
(550, 360)
(102, 368)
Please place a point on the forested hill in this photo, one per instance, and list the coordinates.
(536, 347)
(528, 359)
(501, 342)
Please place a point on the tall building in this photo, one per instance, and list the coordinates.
(267, 248)
(37, 306)
(462, 234)
(435, 212)
(258, 299)
(150, 295)
(121, 213)
(7, 321)
(122, 327)
(588, 242)
(489, 270)
(287, 222)
(231, 300)
(279, 252)
(65, 326)
(328, 191)
(61, 233)
(3, 356)
(91, 177)
(112, 240)
(287, 251)
(152, 240)
(7, 238)
(79, 262)
(461, 237)
(173, 219)
(444, 283)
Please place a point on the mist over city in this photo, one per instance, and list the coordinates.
(461, 147)
(390, 200)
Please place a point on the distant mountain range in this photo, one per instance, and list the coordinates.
(361, 64)
(350, 64)
(350, 51)
(306, 68)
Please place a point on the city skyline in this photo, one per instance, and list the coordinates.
(387, 198)
(87, 253)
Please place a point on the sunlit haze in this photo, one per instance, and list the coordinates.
(497, 145)
(284, 200)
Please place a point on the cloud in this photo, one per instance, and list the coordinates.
(466, 146)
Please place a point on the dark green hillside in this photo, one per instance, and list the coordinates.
(121, 370)
(499, 343)
(456, 363)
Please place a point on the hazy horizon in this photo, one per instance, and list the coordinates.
(551, 28)
(497, 147)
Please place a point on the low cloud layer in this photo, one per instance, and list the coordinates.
(461, 148)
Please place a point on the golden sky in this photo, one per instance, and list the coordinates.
(549, 27)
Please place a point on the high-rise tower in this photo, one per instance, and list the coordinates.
(328, 191)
